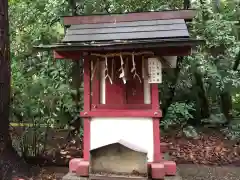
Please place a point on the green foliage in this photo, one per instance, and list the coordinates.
(43, 94)
(236, 102)
(213, 64)
(177, 117)
(177, 114)
(32, 141)
(42, 89)
(40, 86)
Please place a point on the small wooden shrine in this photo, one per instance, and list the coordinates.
(123, 56)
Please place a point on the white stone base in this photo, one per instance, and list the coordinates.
(137, 131)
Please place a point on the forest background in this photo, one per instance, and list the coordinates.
(201, 94)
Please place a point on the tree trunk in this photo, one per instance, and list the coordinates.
(172, 87)
(77, 77)
(4, 76)
(201, 95)
(237, 62)
(73, 6)
(77, 65)
(226, 98)
(10, 162)
(186, 5)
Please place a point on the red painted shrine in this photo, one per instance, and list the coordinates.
(123, 56)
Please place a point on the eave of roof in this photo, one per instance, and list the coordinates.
(122, 45)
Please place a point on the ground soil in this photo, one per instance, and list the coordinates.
(201, 172)
(210, 148)
(52, 173)
(59, 149)
(217, 157)
(12, 165)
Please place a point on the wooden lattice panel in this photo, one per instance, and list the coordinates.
(154, 70)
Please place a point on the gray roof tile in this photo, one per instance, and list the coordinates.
(154, 29)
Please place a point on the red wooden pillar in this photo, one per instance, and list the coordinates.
(87, 107)
(156, 129)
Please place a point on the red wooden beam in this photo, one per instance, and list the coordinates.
(174, 51)
(114, 18)
(122, 113)
(99, 107)
(67, 54)
(163, 51)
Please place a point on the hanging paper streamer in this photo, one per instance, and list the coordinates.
(122, 75)
(106, 70)
(134, 70)
(124, 66)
